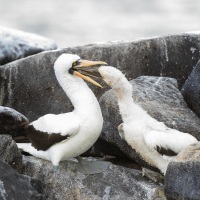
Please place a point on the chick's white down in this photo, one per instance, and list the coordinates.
(141, 131)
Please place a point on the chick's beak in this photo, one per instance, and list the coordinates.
(85, 69)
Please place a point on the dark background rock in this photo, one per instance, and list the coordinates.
(65, 182)
(182, 179)
(191, 90)
(16, 44)
(29, 85)
(12, 122)
(160, 97)
(9, 152)
(16, 186)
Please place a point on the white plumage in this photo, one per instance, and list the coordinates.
(83, 125)
(64, 124)
(142, 132)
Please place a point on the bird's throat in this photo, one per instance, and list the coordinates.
(80, 95)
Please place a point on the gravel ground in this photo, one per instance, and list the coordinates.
(72, 23)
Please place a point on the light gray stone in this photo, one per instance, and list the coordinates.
(16, 44)
(65, 182)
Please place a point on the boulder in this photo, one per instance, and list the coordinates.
(9, 152)
(182, 179)
(16, 44)
(158, 56)
(11, 121)
(16, 186)
(65, 182)
(29, 85)
(191, 90)
(160, 97)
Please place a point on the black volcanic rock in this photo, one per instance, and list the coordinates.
(191, 90)
(11, 121)
(182, 179)
(16, 44)
(16, 186)
(9, 153)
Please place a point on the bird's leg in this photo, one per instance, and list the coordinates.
(55, 163)
(152, 175)
(55, 167)
(91, 167)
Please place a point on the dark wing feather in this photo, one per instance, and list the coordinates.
(42, 140)
(166, 152)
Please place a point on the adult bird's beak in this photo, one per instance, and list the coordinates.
(81, 70)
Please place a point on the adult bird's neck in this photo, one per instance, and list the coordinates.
(80, 95)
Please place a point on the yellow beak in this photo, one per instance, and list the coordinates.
(81, 70)
(87, 78)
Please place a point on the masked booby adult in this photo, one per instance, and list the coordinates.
(141, 131)
(67, 135)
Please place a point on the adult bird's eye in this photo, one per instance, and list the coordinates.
(74, 63)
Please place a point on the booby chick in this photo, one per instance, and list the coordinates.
(67, 135)
(141, 131)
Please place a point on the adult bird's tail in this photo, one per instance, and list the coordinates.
(13, 123)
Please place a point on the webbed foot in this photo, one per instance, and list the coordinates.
(152, 175)
(91, 167)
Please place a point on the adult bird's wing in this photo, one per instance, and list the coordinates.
(51, 129)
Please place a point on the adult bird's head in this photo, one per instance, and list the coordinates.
(73, 65)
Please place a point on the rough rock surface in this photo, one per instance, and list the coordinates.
(16, 44)
(182, 180)
(30, 87)
(160, 97)
(9, 152)
(16, 186)
(191, 90)
(11, 121)
(65, 182)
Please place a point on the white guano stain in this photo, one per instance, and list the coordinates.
(166, 50)
(2, 191)
(193, 49)
(107, 193)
